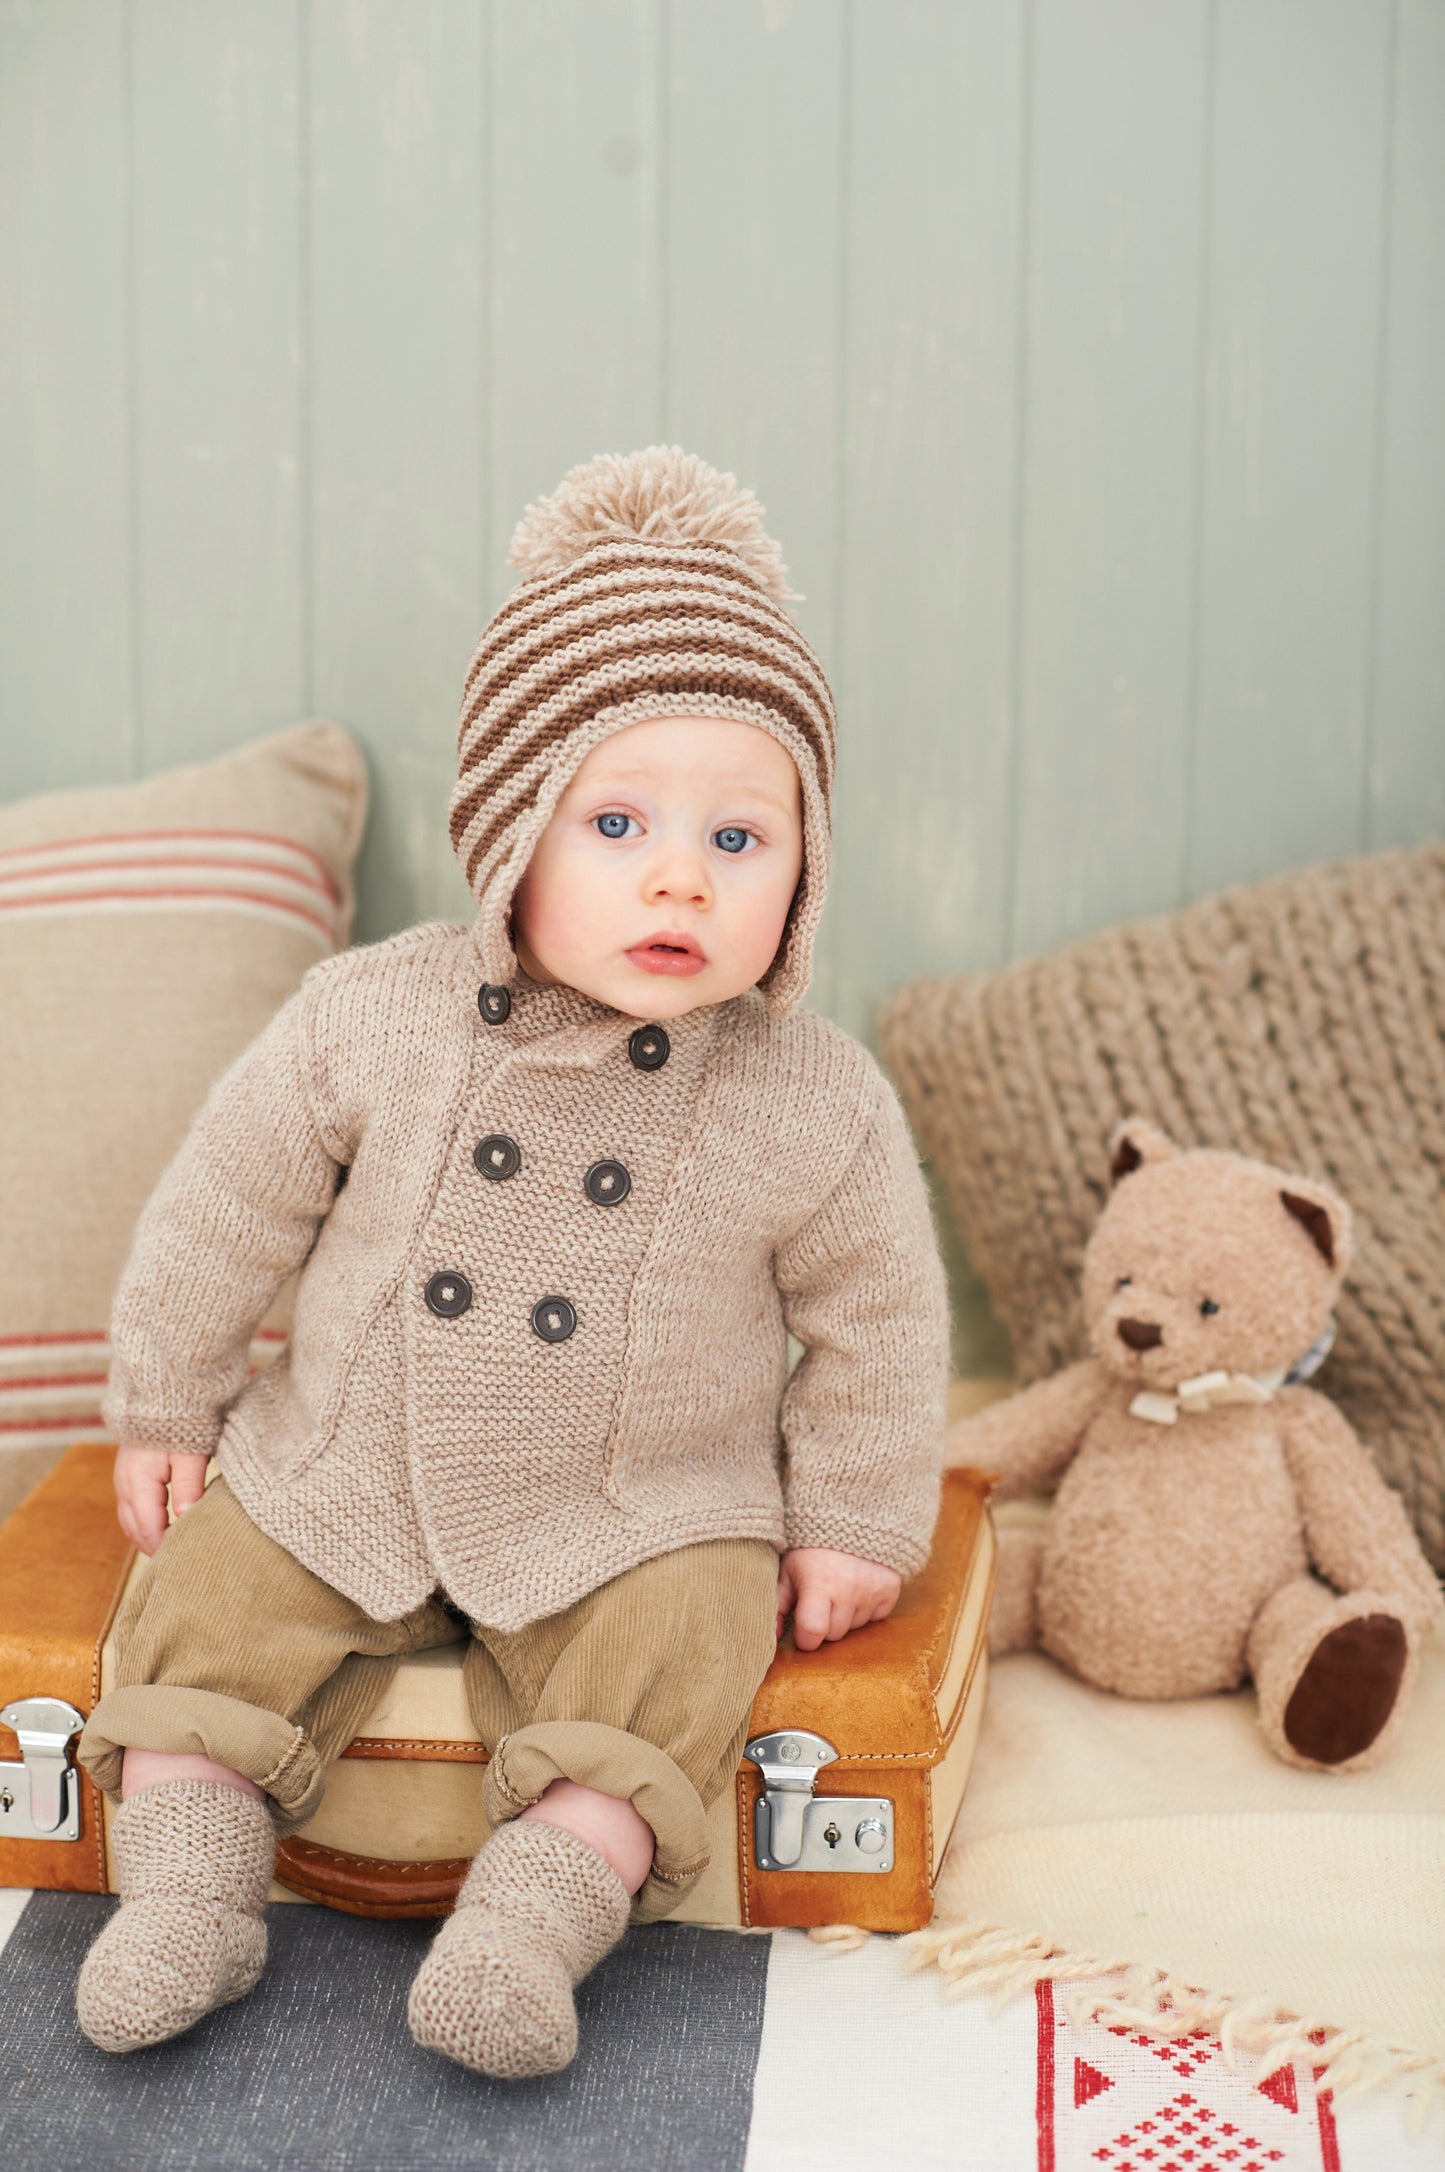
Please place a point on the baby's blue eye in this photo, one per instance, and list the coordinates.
(732, 839)
(613, 825)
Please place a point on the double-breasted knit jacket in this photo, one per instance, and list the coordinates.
(551, 1261)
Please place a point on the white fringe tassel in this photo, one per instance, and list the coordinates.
(975, 1957)
(840, 1937)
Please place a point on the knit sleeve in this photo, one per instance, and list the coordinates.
(235, 1210)
(863, 1417)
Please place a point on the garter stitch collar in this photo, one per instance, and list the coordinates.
(581, 1030)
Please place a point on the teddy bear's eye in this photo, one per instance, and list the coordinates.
(1123, 1282)
(1208, 1308)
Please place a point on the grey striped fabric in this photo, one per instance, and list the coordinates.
(315, 2071)
(688, 618)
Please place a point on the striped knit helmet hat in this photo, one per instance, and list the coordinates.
(649, 588)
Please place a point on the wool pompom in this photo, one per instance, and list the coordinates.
(663, 493)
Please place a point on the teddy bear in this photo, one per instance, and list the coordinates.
(1214, 1520)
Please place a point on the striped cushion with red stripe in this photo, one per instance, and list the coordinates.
(51, 1385)
(148, 932)
(243, 871)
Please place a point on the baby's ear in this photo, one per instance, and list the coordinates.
(1324, 1217)
(1135, 1142)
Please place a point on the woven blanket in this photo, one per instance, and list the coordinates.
(1277, 1908)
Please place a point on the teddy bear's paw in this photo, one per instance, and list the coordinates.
(1332, 1673)
(1349, 1686)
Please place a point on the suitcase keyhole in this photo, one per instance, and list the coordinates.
(832, 1835)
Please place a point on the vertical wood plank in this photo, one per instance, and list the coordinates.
(925, 653)
(787, 233)
(575, 363)
(397, 274)
(753, 258)
(1111, 380)
(218, 415)
(66, 648)
(1406, 796)
(1292, 381)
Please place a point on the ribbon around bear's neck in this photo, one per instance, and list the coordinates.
(1207, 1391)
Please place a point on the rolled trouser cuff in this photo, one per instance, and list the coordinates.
(526, 1762)
(261, 1745)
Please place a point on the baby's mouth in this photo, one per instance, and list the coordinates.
(668, 952)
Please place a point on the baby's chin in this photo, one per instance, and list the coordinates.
(640, 994)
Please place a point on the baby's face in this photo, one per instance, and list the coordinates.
(663, 880)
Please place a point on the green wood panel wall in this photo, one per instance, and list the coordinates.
(70, 627)
(1406, 782)
(1111, 306)
(215, 418)
(399, 255)
(929, 457)
(1086, 354)
(1297, 246)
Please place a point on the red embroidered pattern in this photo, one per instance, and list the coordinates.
(1110, 2099)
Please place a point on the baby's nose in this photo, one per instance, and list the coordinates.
(1140, 1334)
(677, 879)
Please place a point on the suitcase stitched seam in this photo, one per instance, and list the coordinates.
(107, 1625)
(946, 1734)
(306, 1851)
(744, 1888)
(446, 1746)
(938, 1674)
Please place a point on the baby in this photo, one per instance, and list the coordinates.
(562, 1181)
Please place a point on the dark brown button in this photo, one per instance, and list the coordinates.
(448, 1294)
(607, 1182)
(497, 1156)
(649, 1048)
(553, 1318)
(494, 1003)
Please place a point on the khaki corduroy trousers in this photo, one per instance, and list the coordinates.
(230, 1648)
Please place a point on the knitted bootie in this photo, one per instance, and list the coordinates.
(538, 1910)
(193, 1864)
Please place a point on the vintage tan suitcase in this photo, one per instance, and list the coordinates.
(855, 1766)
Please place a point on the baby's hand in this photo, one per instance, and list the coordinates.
(140, 1490)
(828, 1593)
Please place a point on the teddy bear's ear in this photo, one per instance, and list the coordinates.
(1324, 1218)
(1135, 1142)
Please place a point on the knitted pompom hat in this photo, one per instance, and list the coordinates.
(649, 589)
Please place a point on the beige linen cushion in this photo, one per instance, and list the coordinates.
(147, 933)
(1301, 1020)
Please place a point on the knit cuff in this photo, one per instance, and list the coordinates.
(184, 1433)
(264, 1746)
(828, 1524)
(525, 1763)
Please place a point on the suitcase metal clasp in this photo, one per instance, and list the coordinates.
(40, 1795)
(796, 1829)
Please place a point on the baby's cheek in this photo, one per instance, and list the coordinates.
(558, 904)
(756, 922)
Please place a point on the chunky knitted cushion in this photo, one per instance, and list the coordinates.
(148, 931)
(1301, 1020)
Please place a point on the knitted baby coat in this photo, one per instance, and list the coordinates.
(515, 1373)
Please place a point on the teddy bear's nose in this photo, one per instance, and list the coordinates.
(1140, 1334)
